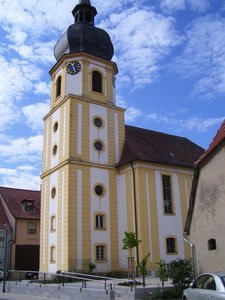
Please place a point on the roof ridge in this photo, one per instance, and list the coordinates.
(160, 132)
(218, 138)
(19, 189)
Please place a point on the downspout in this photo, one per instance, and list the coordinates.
(193, 252)
(135, 213)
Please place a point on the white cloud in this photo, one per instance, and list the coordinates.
(42, 87)
(138, 49)
(170, 6)
(203, 58)
(17, 78)
(22, 149)
(34, 114)
(190, 124)
(19, 178)
(132, 113)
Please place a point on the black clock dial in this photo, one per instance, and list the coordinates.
(73, 67)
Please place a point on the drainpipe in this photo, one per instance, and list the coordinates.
(135, 213)
(193, 252)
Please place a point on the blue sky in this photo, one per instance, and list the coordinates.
(171, 60)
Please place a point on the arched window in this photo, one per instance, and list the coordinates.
(81, 16)
(97, 82)
(212, 244)
(88, 17)
(58, 86)
(52, 254)
(171, 245)
(53, 223)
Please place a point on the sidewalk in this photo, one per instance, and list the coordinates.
(11, 296)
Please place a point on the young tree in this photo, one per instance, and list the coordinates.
(163, 271)
(130, 241)
(143, 267)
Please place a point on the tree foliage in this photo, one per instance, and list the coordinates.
(143, 267)
(163, 271)
(179, 271)
(130, 241)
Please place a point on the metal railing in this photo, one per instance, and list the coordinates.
(68, 278)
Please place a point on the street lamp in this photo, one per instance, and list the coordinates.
(7, 230)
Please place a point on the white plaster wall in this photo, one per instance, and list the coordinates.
(79, 220)
(61, 223)
(74, 82)
(53, 210)
(55, 138)
(98, 134)
(64, 130)
(122, 218)
(116, 133)
(209, 215)
(169, 225)
(148, 198)
(100, 204)
(79, 128)
(46, 144)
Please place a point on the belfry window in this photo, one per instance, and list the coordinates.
(97, 82)
(81, 16)
(88, 17)
(58, 86)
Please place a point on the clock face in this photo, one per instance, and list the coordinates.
(73, 67)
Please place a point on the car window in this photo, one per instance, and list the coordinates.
(206, 282)
(210, 284)
(223, 280)
(199, 282)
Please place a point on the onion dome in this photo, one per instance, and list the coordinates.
(83, 36)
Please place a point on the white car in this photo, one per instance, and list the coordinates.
(1, 274)
(206, 286)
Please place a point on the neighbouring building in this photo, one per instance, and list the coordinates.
(20, 216)
(205, 222)
(99, 176)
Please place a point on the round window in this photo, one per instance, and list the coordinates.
(98, 146)
(54, 151)
(98, 122)
(53, 192)
(56, 125)
(99, 190)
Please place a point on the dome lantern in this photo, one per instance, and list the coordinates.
(83, 36)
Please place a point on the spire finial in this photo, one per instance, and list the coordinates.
(85, 2)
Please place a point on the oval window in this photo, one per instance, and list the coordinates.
(56, 125)
(98, 122)
(99, 190)
(53, 192)
(54, 151)
(98, 146)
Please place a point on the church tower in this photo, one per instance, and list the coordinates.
(83, 142)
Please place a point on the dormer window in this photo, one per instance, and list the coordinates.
(28, 205)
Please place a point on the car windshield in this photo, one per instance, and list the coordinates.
(223, 279)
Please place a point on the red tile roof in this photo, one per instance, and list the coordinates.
(13, 199)
(157, 147)
(3, 217)
(219, 137)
